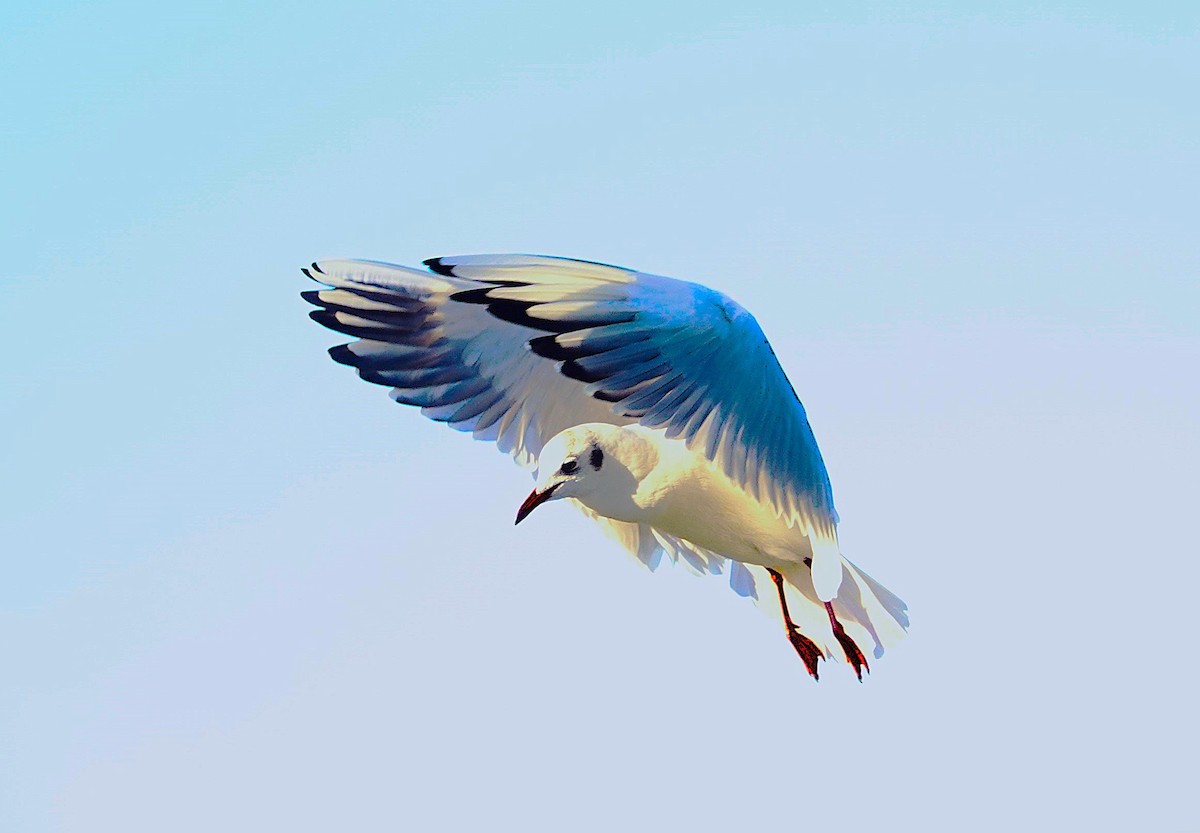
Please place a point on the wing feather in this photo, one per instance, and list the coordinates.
(456, 360)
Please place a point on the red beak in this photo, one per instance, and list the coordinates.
(532, 502)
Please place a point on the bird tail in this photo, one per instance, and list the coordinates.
(867, 603)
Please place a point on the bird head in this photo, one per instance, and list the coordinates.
(570, 465)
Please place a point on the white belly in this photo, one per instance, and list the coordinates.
(689, 497)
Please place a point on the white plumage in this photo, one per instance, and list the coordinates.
(710, 454)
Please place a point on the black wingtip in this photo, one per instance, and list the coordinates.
(304, 271)
(342, 355)
(473, 296)
(548, 348)
(326, 318)
(313, 297)
(317, 268)
(435, 265)
(574, 370)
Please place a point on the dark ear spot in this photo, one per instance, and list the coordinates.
(597, 458)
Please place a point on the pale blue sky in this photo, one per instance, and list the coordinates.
(241, 590)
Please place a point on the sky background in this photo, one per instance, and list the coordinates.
(242, 590)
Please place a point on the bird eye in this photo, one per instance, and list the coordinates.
(569, 467)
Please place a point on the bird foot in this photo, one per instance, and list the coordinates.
(854, 654)
(807, 649)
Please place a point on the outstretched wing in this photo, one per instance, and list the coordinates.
(516, 348)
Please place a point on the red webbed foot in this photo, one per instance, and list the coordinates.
(854, 654)
(805, 647)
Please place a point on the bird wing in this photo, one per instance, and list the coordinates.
(516, 348)
(457, 362)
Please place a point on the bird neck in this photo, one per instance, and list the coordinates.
(634, 449)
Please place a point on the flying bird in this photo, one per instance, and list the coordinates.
(654, 405)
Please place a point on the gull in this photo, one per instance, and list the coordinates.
(654, 405)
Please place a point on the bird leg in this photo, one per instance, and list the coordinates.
(805, 647)
(854, 655)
